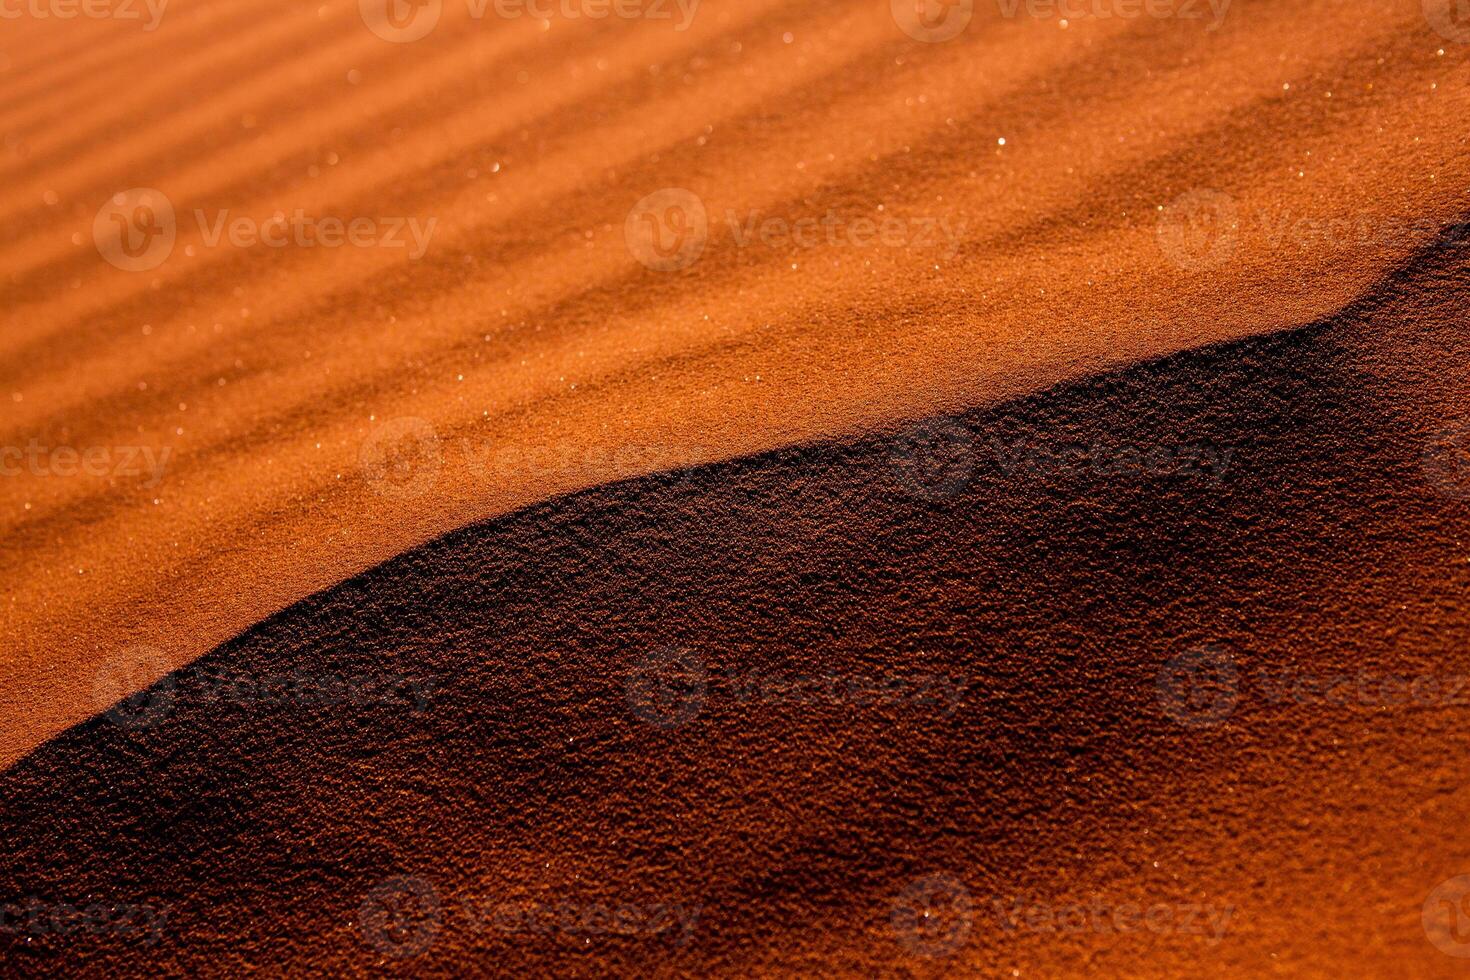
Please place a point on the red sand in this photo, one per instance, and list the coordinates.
(589, 706)
(1068, 202)
(1059, 271)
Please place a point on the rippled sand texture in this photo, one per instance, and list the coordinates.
(561, 714)
(528, 324)
(560, 300)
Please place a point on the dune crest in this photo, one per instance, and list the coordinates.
(1129, 673)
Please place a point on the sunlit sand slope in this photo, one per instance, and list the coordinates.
(1157, 672)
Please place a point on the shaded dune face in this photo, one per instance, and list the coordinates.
(580, 744)
(1048, 159)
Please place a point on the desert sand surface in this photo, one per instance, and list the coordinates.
(597, 702)
(728, 339)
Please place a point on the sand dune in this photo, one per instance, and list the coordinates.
(1087, 365)
(527, 323)
(592, 707)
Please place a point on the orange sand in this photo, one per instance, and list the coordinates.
(528, 323)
